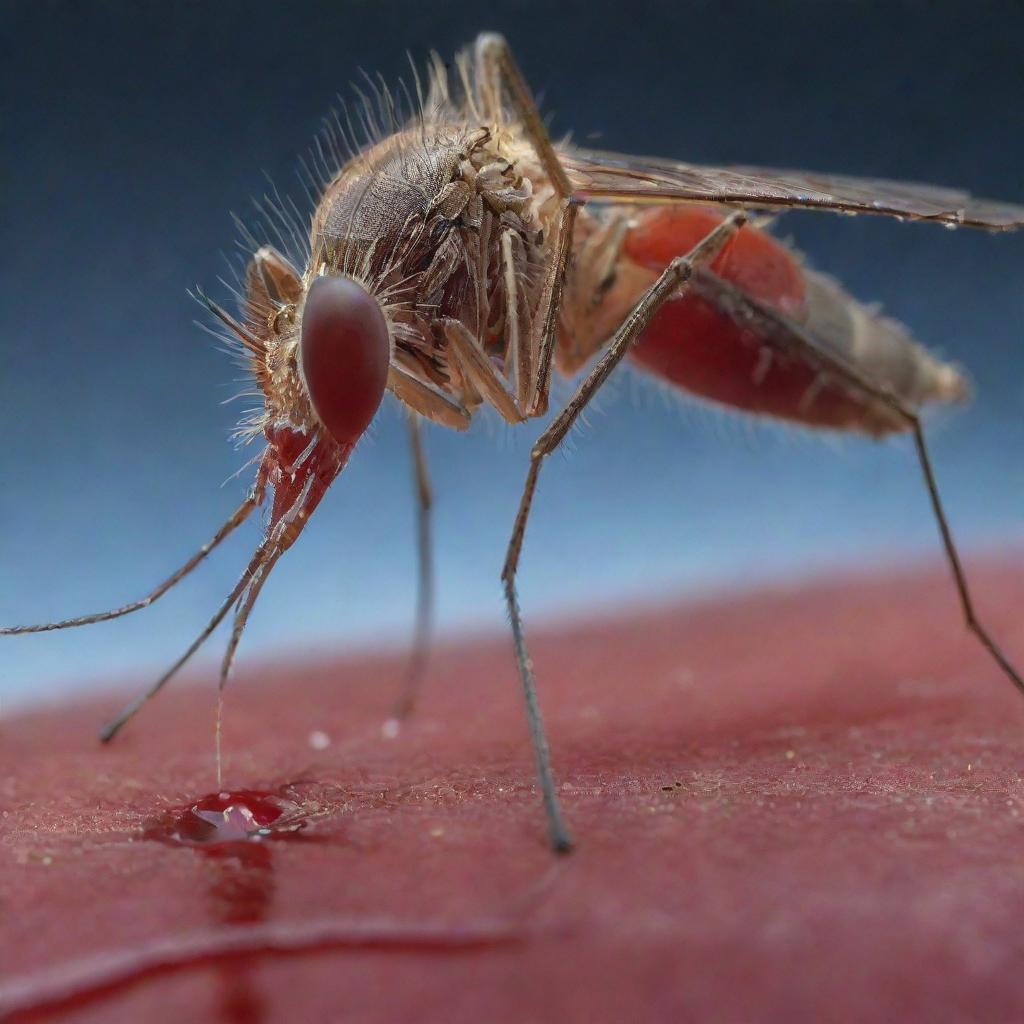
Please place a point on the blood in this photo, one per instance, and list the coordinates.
(231, 834)
(692, 344)
(239, 816)
(230, 829)
(753, 260)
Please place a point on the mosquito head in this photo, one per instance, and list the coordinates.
(344, 352)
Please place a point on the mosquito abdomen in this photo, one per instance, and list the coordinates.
(711, 342)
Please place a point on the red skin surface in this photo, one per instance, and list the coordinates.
(801, 805)
(691, 344)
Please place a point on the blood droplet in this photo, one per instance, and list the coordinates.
(244, 815)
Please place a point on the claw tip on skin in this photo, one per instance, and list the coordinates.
(562, 845)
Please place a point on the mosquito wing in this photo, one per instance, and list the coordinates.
(616, 176)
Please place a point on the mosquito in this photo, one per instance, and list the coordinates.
(458, 257)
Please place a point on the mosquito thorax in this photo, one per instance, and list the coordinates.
(344, 352)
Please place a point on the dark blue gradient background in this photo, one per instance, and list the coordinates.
(130, 131)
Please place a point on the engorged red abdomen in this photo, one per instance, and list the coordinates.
(693, 345)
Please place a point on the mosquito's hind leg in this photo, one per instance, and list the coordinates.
(420, 653)
(787, 335)
(674, 280)
(237, 518)
(496, 67)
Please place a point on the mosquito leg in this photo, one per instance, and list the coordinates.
(482, 373)
(974, 624)
(518, 353)
(109, 731)
(112, 728)
(789, 335)
(544, 332)
(495, 66)
(426, 399)
(237, 518)
(674, 280)
(424, 581)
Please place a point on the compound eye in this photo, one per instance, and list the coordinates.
(344, 351)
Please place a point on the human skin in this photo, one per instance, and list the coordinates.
(802, 804)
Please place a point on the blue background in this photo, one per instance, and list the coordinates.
(129, 134)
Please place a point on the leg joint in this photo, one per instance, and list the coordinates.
(681, 268)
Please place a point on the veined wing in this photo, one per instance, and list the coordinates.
(653, 180)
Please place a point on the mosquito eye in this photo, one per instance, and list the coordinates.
(344, 351)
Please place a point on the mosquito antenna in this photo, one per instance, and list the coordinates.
(237, 518)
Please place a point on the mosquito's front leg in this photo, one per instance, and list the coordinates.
(112, 728)
(479, 370)
(495, 67)
(426, 399)
(674, 280)
(237, 518)
(424, 580)
(517, 349)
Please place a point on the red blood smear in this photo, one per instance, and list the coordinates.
(692, 345)
(230, 829)
(345, 352)
(801, 805)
